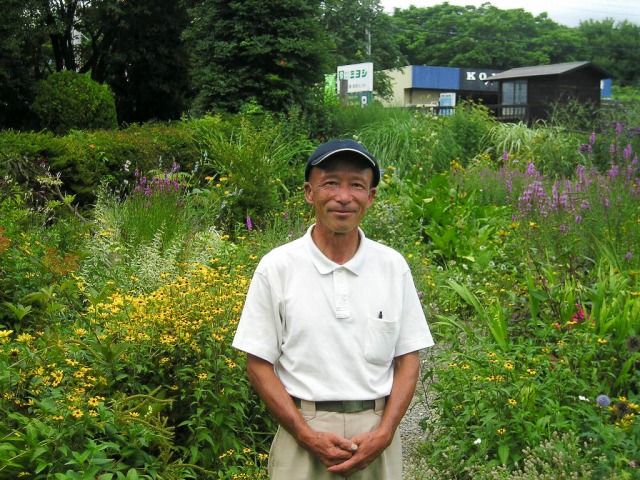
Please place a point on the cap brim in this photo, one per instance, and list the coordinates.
(333, 152)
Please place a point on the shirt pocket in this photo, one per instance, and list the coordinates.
(380, 340)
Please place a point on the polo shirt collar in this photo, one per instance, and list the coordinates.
(325, 265)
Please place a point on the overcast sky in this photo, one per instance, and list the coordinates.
(567, 12)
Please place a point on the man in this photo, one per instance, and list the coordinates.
(332, 326)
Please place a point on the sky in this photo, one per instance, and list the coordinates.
(567, 12)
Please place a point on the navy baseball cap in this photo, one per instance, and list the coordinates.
(332, 147)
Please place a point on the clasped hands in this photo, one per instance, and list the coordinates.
(344, 456)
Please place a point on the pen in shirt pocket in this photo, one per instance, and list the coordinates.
(380, 315)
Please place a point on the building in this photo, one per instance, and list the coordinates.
(425, 86)
(529, 93)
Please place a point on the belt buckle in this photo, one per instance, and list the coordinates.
(352, 406)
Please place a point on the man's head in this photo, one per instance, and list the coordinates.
(341, 176)
(349, 150)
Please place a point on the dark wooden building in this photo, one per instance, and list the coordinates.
(528, 93)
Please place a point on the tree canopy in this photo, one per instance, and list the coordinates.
(163, 58)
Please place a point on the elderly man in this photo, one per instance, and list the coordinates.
(332, 326)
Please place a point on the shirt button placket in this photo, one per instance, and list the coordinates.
(341, 293)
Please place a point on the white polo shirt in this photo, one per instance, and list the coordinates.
(319, 322)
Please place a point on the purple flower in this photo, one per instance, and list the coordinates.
(585, 205)
(175, 167)
(628, 256)
(249, 223)
(613, 171)
(613, 149)
(603, 400)
(628, 150)
(563, 228)
(578, 218)
(505, 156)
(592, 138)
(619, 126)
(605, 202)
(531, 170)
(585, 148)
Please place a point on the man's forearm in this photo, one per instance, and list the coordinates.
(274, 395)
(405, 377)
(330, 448)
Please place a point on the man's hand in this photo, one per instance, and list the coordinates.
(370, 446)
(330, 448)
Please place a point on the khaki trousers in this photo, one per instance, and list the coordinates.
(289, 461)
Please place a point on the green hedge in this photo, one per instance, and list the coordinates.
(85, 159)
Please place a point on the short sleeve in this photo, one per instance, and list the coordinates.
(260, 328)
(414, 330)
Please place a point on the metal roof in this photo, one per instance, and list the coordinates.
(542, 70)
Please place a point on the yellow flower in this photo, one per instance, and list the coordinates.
(134, 414)
(80, 332)
(501, 431)
(508, 366)
(531, 371)
(512, 402)
(603, 341)
(4, 335)
(25, 338)
(203, 376)
(77, 413)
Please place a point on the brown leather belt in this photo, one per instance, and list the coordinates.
(341, 406)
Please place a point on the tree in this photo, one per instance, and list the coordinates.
(268, 51)
(21, 62)
(147, 63)
(486, 36)
(615, 47)
(360, 31)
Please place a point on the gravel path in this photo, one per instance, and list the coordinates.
(411, 432)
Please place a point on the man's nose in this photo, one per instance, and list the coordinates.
(343, 194)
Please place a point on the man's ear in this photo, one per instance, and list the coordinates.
(308, 193)
(372, 194)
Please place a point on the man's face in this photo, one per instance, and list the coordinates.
(341, 193)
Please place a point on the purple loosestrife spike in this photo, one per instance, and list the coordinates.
(531, 170)
(628, 256)
(619, 126)
(628, 150)
(585, 205)
(249, 223)
(613, 171)
(578, 218)
(505, 156)
(592, 138)
(603, 400)
(585, 148)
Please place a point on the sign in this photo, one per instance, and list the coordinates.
(359, 77)
(478, 79)
(447, 103)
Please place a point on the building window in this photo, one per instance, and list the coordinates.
(514, 93)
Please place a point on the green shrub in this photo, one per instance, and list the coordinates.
(87, 159)
(67, 100)
(253, 163)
